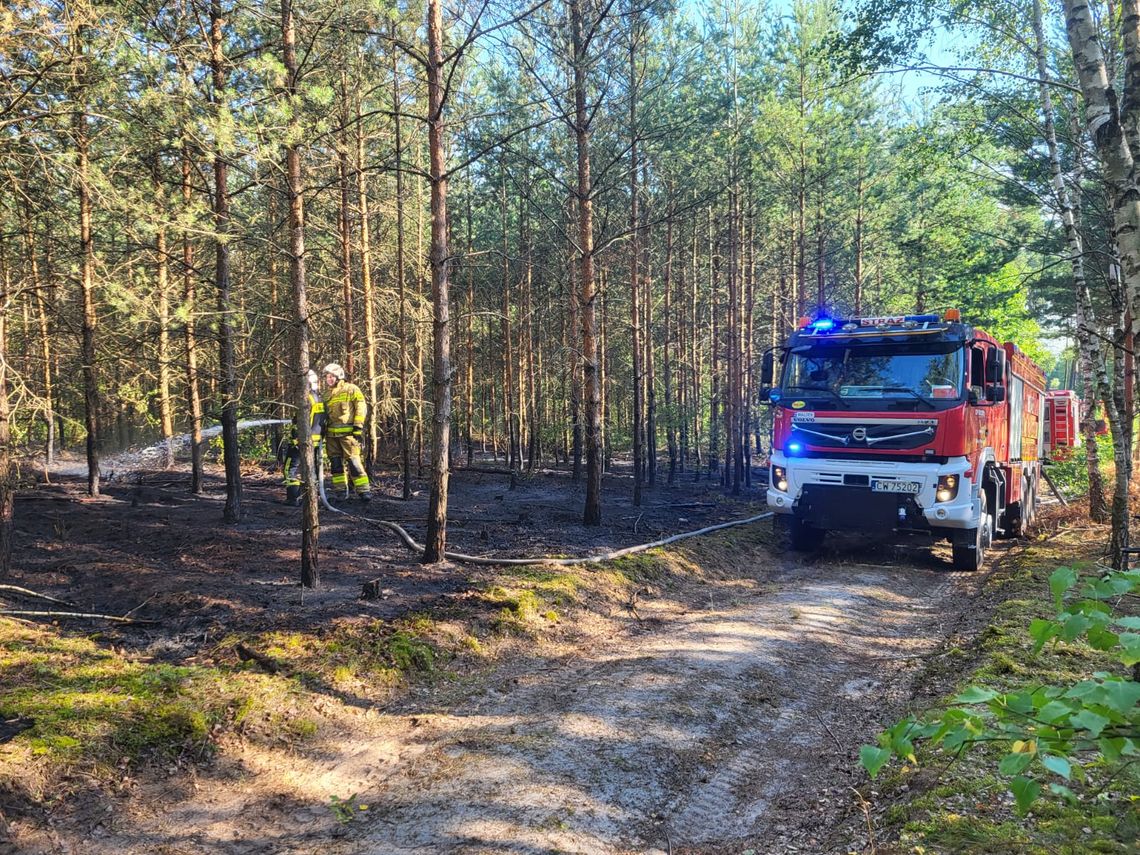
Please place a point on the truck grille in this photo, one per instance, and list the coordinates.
(853, 435)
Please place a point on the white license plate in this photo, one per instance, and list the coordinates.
(879, 485)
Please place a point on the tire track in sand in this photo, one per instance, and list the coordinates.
(705, 725)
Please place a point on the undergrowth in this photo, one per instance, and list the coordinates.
(945, 803)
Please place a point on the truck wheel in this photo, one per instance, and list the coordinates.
(798, 535)
(1025, 507)
(969, 545)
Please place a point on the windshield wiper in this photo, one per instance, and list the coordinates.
(911, 392)
(812, 390)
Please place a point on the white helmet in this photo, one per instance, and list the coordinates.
(335, 370)
(314, 381)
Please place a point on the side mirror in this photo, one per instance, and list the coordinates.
(995, 366)
(766, 369)
(995, 394)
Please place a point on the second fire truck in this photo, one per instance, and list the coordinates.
(910, 423)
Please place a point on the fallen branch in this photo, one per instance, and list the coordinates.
(246, 654)
(1060, 496)
(565, 562)
(485, 470)
(78, 616)
(830, 732)
(16, 589)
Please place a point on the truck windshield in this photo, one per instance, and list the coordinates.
(861, 374)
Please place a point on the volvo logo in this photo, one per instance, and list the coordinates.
(860, 434)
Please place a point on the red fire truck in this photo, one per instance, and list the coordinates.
(912, 423)
(1062, 424)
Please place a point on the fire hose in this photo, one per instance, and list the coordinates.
(483, 560)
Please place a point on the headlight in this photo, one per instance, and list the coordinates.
(947, 488)
(780, 479)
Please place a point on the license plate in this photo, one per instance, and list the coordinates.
(879, 485)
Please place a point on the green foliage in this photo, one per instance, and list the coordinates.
(346, 810)
(1055, 733)
(253, 445)
(1071, 475)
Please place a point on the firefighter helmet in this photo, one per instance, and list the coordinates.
(314, 381)
(335, 370)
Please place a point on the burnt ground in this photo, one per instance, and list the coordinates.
(716, 713)
(149, 547)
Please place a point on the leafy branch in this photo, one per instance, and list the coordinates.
(1054, 733)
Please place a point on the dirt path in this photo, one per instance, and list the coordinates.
(708, 728)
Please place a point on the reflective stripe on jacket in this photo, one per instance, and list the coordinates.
(316, 422)
(345, 408)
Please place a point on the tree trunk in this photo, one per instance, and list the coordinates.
(1088, 343)
(667, 356)
(436, 538)
(7, 481)
(647, 339)
(190, 296)
(592, 511)
(162, 288)
(469, 385)
(1111, 139)
(510, 422)
(401, 282)
(310, 513)
(637, 423)
(232, 511)
(41, 297)
(714, 354)
(344, 220)
(87, 269)
(366, 296)
(859, 245)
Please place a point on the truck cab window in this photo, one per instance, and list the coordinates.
(978, 372)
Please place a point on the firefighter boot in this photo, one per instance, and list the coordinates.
(293, 495)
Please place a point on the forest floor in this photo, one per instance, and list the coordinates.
(710, 698)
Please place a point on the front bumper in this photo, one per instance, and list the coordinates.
(839, 491)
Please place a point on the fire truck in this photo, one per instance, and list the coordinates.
(909, 424)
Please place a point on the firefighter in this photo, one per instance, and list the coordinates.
(289, 451)
(345, 410)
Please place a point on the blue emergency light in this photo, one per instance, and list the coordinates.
(794, 447)
(823, 324)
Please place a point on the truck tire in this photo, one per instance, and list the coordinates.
(1025, 508)
(796, 535)
(969, 545)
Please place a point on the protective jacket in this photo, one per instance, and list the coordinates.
(316, 426)
(345, 409)
(289, 451)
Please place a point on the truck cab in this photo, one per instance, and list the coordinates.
(913, 423)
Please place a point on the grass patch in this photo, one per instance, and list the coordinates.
(92, 707)
(356, 656)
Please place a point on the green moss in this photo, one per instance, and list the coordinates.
(641, 567)
(410, 653)
(92, 705)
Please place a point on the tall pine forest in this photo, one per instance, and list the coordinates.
(551, 234)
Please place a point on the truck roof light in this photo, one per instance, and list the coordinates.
(823, 324)
(953, 315)
(804, 321)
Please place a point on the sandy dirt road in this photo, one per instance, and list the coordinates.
(707, 727)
